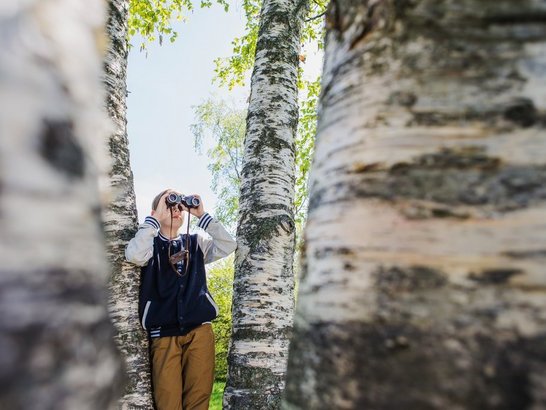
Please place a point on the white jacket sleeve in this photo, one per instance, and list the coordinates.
(220, 244)
(141, 248)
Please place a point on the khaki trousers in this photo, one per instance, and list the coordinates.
(183, 370)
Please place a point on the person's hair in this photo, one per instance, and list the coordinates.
(155, 202)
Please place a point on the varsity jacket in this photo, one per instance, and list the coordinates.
(173, 303)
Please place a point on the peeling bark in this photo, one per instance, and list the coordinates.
(423, 284)
(56, 340)
(263, 299)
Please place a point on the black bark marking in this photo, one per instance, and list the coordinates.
(397, 366)
(495, 276)
(254, 399)
(60, 148)
(461, 158)
(445, 212)
(418, 210)
(508, 190)
(363, 168)
(348, 266)
(512, 19)
(409, 279)
(333, 19)
(403, 98)
(322, 253)
(538, 253)
(258, 231)
(522, 112)
(254, 334)
(376, 13)
(466, 176)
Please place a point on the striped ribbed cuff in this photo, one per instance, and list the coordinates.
(204, 221)
(150, 220)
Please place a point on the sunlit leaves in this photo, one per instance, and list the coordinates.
(152, 19)
(232, 71)
(305, 142)
(313, 29)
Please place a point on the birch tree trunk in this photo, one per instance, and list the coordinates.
(263, 299)
(424, 283)
(56, 340)
(120, 219)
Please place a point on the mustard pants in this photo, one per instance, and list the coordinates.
(183, 370)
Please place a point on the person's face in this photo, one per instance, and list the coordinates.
(165, 214)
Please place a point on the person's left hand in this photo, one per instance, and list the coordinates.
(200, 210)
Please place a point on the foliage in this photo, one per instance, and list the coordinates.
(231, 71)
(305, 142)
(225, 125)
(220, 284)
(217, 395)
(152, 19)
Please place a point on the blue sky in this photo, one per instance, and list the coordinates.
(164, 86)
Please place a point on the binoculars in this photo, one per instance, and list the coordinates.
(188, 201)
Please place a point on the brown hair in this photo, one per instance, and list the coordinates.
(155, 202)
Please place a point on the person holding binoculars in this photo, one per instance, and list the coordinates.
(175, 307)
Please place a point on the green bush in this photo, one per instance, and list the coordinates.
(220, 284)
(216, 398)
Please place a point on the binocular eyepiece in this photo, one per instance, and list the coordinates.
(174, 199)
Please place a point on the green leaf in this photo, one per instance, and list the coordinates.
(152, 19)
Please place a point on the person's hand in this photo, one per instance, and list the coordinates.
(163, 212)
(200, 210)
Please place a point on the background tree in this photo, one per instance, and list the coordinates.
(120, 218)
(233, 71)
(222, 127)
(150, 20)
(56, 341)
(263, 286)
(423, 283)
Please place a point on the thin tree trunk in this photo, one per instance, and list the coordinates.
(56, 340)
(263, 299)
(424, 282)
(120, 219)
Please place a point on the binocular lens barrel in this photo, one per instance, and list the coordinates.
(189, 201)
(172, 199)
(193, 201)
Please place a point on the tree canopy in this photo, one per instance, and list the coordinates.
(153, 19)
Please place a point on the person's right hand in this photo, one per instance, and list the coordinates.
(162, 212)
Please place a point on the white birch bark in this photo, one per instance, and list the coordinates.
(424, 282)
(120, 219)
(263, 297)
(56, 340)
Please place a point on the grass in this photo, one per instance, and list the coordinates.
(216, 398)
